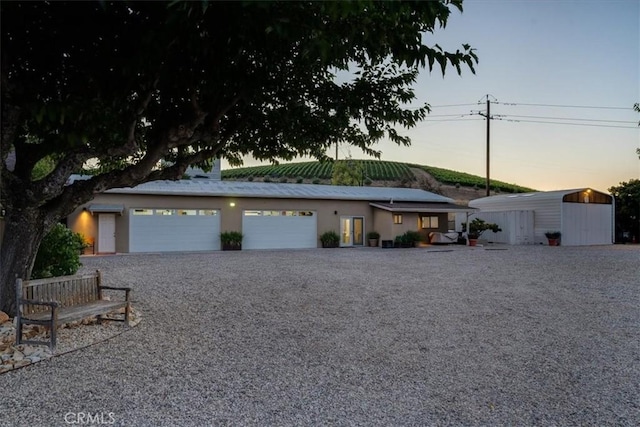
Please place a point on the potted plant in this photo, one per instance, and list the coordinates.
(373, 237)
(407, 240)
(330, 239)
(231, 240)
(553, 237)
(477, 227)
(412, 238)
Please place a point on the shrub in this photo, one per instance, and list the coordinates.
(368, 182)
(250, 178)
(330, 239)
(266, 179)
(283, 180)
(479, 226)
(316, 181)
(231, 238)
(299, 180)
(373, 235)
(59, 253)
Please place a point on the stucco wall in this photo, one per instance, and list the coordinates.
(328, 212)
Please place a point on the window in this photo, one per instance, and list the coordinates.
(429, 222)
(207, 212)
(397, 218)
(252, 213)
(165, 212)
(187, 212)
(143, 211)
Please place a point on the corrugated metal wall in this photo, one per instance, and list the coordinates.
(586, 224)
(547, 215)
(517, 226)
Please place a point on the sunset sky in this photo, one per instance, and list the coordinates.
(561, 56)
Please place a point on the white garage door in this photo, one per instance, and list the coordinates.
(587, 224)
(279, 229)
(169, 230)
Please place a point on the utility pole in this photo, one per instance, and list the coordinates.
(488, 117)
(488, 139)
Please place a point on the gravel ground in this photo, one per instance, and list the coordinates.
(517, 336)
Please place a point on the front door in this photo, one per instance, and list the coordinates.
(351, 231)
(106, 233)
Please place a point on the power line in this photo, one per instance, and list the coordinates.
(459, 119)
(452, 105)
(569, 118)
(563, 106)
(574, 124)
(448, 115)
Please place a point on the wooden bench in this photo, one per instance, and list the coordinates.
(58, 300)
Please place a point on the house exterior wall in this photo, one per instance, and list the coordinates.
(328, 212)
(383, 224)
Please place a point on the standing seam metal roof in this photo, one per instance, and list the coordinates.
(197, 187)
(540, 195)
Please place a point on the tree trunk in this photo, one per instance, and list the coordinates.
(24, 230)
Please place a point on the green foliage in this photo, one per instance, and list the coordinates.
(330, 239)
(59, 253)
(373, 170)
(552, 234)
(43, 168)
(479, 226)
(447, 176)
(627, 202)
(373, 235)
(347, 172)
(409, 238)
(231, 238)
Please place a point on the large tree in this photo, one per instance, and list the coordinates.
(627, 196)
(142, 90)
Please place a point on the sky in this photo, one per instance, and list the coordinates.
(541, 63)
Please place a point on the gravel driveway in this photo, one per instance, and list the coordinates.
(517, 336)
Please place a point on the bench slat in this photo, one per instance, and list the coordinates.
(79, 312)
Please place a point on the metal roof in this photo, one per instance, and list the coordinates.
(282, 191)
(539, 195)
(422, 207)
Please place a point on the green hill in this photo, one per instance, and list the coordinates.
(392, 173)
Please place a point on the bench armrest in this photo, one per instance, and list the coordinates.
(127, 291)
(22, 301)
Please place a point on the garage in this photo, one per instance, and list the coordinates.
(287, 229)
(171, 230)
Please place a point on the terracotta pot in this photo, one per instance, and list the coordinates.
(473, 242)
(373, 242)
(554, 242)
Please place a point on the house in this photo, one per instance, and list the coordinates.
(584, 216)
(188, 215)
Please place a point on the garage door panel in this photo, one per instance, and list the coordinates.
(167, 233)
(279, 232)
